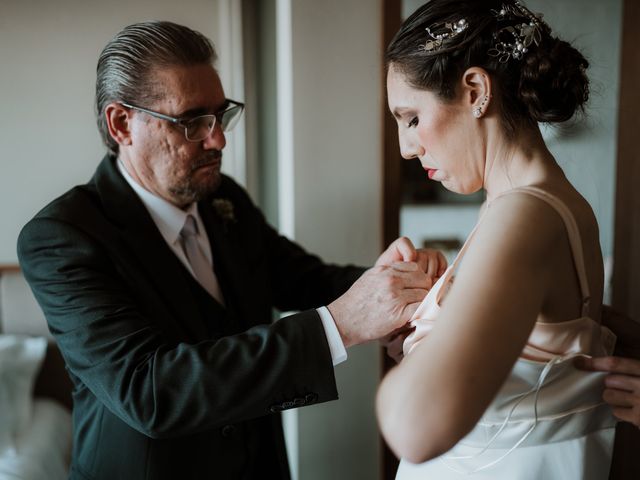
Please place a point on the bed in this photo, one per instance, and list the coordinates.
(35, 390)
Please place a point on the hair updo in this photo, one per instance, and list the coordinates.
(547, 83)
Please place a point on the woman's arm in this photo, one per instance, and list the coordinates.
(440, 391)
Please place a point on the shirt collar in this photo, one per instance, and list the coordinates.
(168, 218)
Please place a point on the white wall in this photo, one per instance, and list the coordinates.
(49, 51)
(332, 195)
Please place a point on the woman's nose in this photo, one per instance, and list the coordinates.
(409, 148)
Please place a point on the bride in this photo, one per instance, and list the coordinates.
(488, 386)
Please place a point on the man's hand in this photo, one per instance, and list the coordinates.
(430, 261)
(383, 299)
(394, 341)
(622, 387)
(401, 250)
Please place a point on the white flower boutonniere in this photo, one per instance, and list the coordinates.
(224, 210)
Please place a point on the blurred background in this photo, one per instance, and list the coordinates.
(317, 148)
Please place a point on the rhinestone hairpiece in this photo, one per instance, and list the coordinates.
(523, 35)
(447, 30)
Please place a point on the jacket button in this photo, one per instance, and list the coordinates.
(227, 430)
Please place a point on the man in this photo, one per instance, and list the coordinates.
(159, 276)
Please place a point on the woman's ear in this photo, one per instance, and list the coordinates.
(476, 91)
(118, 120)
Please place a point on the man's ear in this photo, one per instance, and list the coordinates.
(476, 90)
(118, 120)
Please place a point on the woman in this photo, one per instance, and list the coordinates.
(490, 389)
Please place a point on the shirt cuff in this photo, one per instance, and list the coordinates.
(336, 346)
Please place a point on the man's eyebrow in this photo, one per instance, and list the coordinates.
(194, 112)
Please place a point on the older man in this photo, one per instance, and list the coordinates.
(159, 276)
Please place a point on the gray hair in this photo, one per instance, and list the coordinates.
(125, 64)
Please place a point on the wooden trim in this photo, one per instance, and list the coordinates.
(391, 189)
(626, 269)
(392, 161)
(9, 267)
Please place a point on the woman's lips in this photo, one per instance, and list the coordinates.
(431, 172)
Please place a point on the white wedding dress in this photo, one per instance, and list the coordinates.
(548, 421)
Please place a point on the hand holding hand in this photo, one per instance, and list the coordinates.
(401, 250)
(622, 386)
(433, 263)
(430, 261)
(383, 299)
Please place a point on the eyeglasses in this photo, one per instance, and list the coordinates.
(198, 128)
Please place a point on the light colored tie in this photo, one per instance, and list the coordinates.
(197, 259)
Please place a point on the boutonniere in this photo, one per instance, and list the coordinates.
(224, 210)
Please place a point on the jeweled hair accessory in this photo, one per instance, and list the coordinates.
(444, 32)
(514, 41)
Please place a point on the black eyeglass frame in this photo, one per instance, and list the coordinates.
(184, 122)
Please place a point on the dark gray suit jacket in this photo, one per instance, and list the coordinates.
(168, 383)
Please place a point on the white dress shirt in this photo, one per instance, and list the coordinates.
(170, 219)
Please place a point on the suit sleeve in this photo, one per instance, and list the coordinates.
(299, 280)
(156, 385)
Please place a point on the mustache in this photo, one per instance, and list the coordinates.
(207, 159)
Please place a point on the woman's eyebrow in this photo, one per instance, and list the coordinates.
(399, 111)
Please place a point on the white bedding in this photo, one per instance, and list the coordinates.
(35, 434)
(42, 451)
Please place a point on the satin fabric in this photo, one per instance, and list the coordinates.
(548, 420)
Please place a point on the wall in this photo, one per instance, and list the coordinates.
(49, 52)
(330, 126)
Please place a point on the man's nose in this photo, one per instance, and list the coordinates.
(216, 140)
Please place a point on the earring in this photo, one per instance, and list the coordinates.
(477, 111)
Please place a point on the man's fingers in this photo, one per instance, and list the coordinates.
(626, 366)
(432, 269)
(406, 249)
(413, 295)
(405, 266)
(442, 261)
(410, 310)
(412, 276)
(422, 259)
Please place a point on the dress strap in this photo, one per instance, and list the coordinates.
(575, 239)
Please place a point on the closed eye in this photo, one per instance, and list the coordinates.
(413, 122)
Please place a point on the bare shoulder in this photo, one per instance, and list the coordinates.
(521, 218)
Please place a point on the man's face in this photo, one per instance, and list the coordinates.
(163, 160)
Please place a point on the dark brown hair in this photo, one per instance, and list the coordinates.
(126, 62)
(548, 84)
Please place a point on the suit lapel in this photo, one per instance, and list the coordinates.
(224, 248)
(139, 232)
